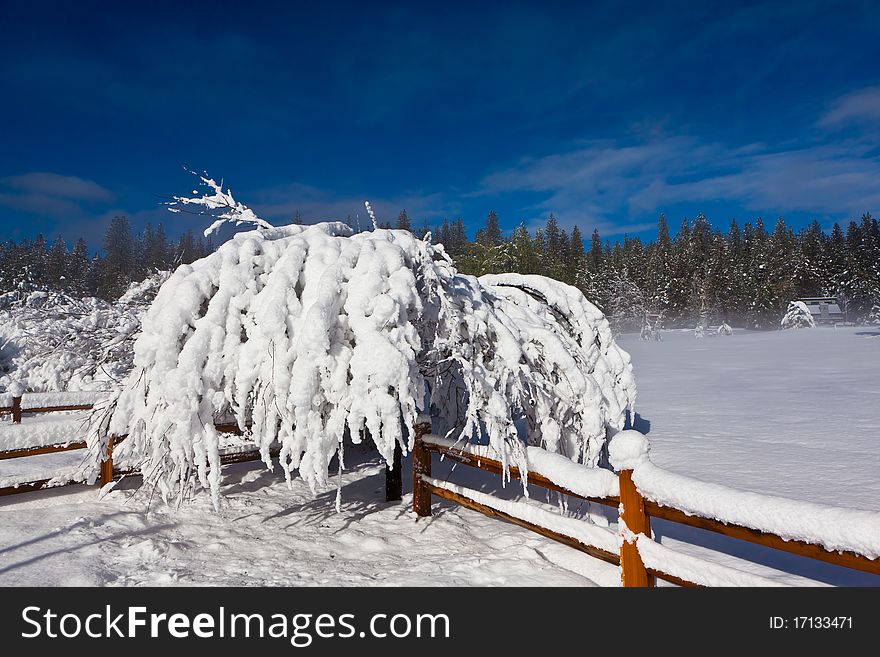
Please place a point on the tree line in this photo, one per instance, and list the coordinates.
(745, 276)
(702, 275)
(126, 258)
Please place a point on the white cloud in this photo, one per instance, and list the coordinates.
(58, 186)
(860, 107)
(612, 184)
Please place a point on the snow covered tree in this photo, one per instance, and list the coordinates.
(57, 266)
(55, 342)
(626, 305)
(308, 333)
(797, 316)
(79, 270)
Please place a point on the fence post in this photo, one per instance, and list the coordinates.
(632, 569)
(393, 480)
(16, 409)
(626, 451)
(421, 465)
(107, 464)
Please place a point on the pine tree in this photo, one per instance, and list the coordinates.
(187, 249)
(119, 264)
(575, 258)
(159, 256)
(403, 222)
(457, 239)
(148, 237)
(658, 277)
(37, 261)
(540, 245)
(79, 270)
(682, 276)
(810, 277)
(443, 234)
(57, 267)
(763, 307)
(526, 257)
(785, 265)
(490, 234)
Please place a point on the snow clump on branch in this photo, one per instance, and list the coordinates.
(231, 211)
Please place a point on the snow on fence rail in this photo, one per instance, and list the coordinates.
(844, 537)
(48, 402)
(62, 434)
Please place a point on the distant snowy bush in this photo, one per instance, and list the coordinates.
(797, 316)
(51, 341)
(308, 333)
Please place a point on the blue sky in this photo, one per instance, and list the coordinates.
(606, 115)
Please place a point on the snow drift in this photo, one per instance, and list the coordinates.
(307, 333)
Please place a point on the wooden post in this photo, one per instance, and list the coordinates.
(421, 465)
(393, 480)
(632, 569)
(16, 409)
(107, 464)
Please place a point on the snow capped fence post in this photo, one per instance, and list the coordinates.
(421, 466)
(107, 464)
(626, 450)
(17, 390)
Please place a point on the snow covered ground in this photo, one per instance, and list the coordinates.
(789, 413)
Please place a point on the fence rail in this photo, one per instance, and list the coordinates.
(635, 512)
(107, 471)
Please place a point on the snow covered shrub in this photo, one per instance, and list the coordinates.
(306, 333)
(797, 316)
(50, 341)
(724, 329)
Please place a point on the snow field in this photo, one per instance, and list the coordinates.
(778, 413)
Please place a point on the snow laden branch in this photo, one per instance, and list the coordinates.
(230, 210)
(51, 341)
(308, 334)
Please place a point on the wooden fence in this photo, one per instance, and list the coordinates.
(635, 511)
(107, 471)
